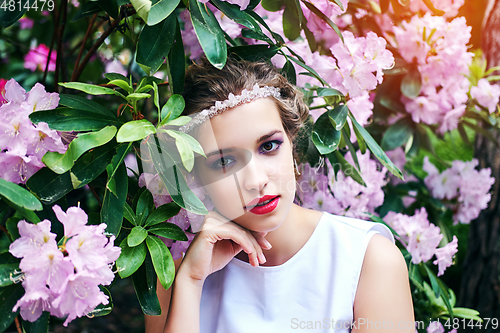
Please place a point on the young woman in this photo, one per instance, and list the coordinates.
(261, 263)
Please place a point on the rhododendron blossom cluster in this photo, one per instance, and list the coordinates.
(486, 94)
(422, 238)
(465, 188)
(64, 279)
(343, 196)
(23, 144)
(439, 49)
(37, 59)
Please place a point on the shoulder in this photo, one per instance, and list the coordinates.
(383, 254)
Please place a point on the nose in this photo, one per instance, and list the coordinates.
(254, 175)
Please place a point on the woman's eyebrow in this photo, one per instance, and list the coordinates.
(220, 152)
(267, 136)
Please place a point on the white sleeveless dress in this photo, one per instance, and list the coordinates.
(312, 292)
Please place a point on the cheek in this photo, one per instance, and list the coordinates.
(226, 197)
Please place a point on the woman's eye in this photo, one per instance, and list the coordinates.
(222, 163)
(270, 146)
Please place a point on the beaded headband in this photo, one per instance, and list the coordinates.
(232, 101)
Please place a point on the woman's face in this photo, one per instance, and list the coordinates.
(249, 170)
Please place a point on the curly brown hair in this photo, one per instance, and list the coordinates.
(206, 84)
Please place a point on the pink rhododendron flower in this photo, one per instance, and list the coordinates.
(37, 58)
(445, 255)
(63, 280)
(115, 66)
(486, 94)
(435, 327)
(449, 7)
(465, 188)
(419, 235)
(26, 23)
(441, 53)
(23, 143)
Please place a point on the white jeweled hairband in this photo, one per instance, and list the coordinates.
(232, 101)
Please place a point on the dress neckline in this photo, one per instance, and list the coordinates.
(246, 265)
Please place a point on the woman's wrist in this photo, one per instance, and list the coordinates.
(186, 276)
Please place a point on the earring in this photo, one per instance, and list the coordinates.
(296, 166)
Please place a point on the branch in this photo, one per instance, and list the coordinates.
(87, 35)
(94, 48)
(60, 35)
(56, 21)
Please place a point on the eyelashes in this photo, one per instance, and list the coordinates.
(224, 162)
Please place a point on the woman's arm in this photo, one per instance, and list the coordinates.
(383, 300)
(155, 324)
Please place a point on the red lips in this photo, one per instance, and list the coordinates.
(263, 209)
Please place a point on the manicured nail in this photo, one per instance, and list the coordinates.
(262, 258)
(268, 245)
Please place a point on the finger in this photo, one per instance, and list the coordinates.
(258, 256)
(264, 243)
(237, 236)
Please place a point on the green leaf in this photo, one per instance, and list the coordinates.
(173, 179)
(112, 212)
(8, 298)
(82, 103)
(177, 62)
(154, 11)
(479, 129)
(259, 52)
(155, 43)
(121, 152)
(102, 309)
(430, 5)
(50, 187)
(122, 84)
(185, 151)
(324, 136)
(7, 271)
(41, 325)
(18, 195)
(91, 89)
(135, 130)
(397, 134)
(338, 116)
(136, 236)
(116, 76)
(162, 213)
(145, 205)
(234, 13)
(110, 6)
(325, 18)
(347, 168)
(145, 287)
(384, 5)
(86, 9)
(60, 163)
(434, 283)
(179, 121)
(128, 213)
(292, 24)
(162, 261)
(288, 71)
(169, 230)
(66, 119)
(193, 144)
(375, 148)
(131, 258)
(310, 70)
(172, 109)
(411, 83)
(137, 96)
(209, 33)
(466, 313)
(10, 15)
(328, 92)
(339, 3)
(273, 5)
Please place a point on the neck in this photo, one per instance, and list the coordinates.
(289, 237)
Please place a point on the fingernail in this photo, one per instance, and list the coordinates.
(268, 245)
(262, 258)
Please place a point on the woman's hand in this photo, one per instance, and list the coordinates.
(217, 243)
